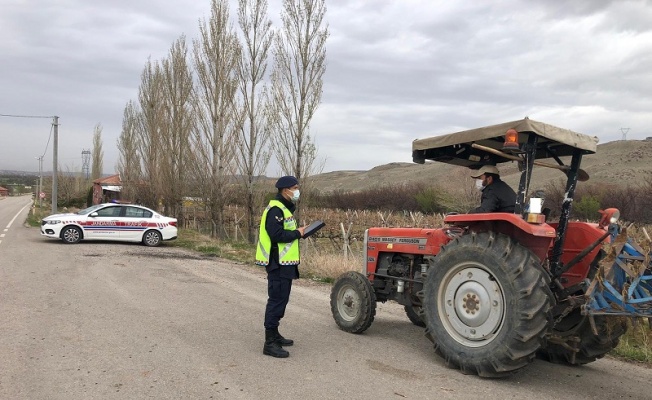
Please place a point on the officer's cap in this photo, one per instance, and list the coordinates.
(286, 182)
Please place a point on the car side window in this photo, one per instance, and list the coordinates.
(109, 212)
(136, 212)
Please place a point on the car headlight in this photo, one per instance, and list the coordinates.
(53, 222)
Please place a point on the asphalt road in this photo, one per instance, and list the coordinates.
(123, 321)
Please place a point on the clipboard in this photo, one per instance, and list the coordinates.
(313, 228)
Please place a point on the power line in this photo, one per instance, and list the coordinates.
(25, 116)
(48, 143)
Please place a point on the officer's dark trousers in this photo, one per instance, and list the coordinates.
(278, 292)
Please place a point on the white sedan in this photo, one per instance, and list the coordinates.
(119, 222)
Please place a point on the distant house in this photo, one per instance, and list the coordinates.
(107, 189)
(4, 192)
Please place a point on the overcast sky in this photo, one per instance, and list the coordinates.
(397, 70)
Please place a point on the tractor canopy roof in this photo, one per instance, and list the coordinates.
(457, 148)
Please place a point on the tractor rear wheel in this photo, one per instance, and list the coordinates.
(487, 304)
(412, 313)
(353, 302)
(573, 341)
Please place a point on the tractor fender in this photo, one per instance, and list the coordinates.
(536, 237)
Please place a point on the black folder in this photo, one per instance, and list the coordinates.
(313, 228)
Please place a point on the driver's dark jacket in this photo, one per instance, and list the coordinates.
(496, 197)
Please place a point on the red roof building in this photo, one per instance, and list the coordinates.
(106, 189)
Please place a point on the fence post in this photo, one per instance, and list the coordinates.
(345, 239)
(236, 222)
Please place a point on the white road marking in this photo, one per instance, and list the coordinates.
(17, 214)
(13, 219)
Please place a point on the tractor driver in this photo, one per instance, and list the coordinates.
(497, 196)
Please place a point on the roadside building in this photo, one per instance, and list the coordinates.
(4, 192)
(107, 189)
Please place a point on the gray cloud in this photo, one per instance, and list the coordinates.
(397, 70)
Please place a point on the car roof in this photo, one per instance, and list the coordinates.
(456, 148)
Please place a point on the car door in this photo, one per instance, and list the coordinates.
(104, 224)
(135, 222)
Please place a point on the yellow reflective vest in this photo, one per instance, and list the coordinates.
(288, 253)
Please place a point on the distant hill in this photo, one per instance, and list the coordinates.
(619, 162)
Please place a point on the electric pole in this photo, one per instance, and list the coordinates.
(40, 181)
(55, 152)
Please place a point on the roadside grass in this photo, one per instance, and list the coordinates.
(36, 214)
(636, 344)
(327, 266)
(195, 241)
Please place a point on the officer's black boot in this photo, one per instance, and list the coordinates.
(281, 340)
(272, 348)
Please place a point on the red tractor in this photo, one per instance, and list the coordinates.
(494, 290)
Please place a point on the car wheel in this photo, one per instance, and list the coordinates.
(152, 238)
(71, 234)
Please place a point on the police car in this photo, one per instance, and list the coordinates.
(119, 222)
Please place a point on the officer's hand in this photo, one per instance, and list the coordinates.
(301, 230)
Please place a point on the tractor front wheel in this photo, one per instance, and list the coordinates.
(353, 302)
(486, 304)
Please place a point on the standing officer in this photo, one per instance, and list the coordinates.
(278, 251)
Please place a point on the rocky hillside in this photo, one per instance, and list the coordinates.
(620, 162)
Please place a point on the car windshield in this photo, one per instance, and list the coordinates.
(89, 210)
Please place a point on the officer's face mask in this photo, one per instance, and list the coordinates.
(295, 195)
(479, 184)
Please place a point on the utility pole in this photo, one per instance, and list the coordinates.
(40, 181)
(55, 152)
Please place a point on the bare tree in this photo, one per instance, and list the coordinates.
(129, 163)
(253, 153)
(149, 134)
(300, 63)
(215, 56)
(177, 114)
(98, 153)
(71, 186)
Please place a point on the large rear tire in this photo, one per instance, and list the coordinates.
(353, 302)
(412, 313)
(486, 304)
(573, 341)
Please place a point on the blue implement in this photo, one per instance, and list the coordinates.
(623, 288)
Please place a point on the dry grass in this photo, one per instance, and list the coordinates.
(636, 344)
(327, 266)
